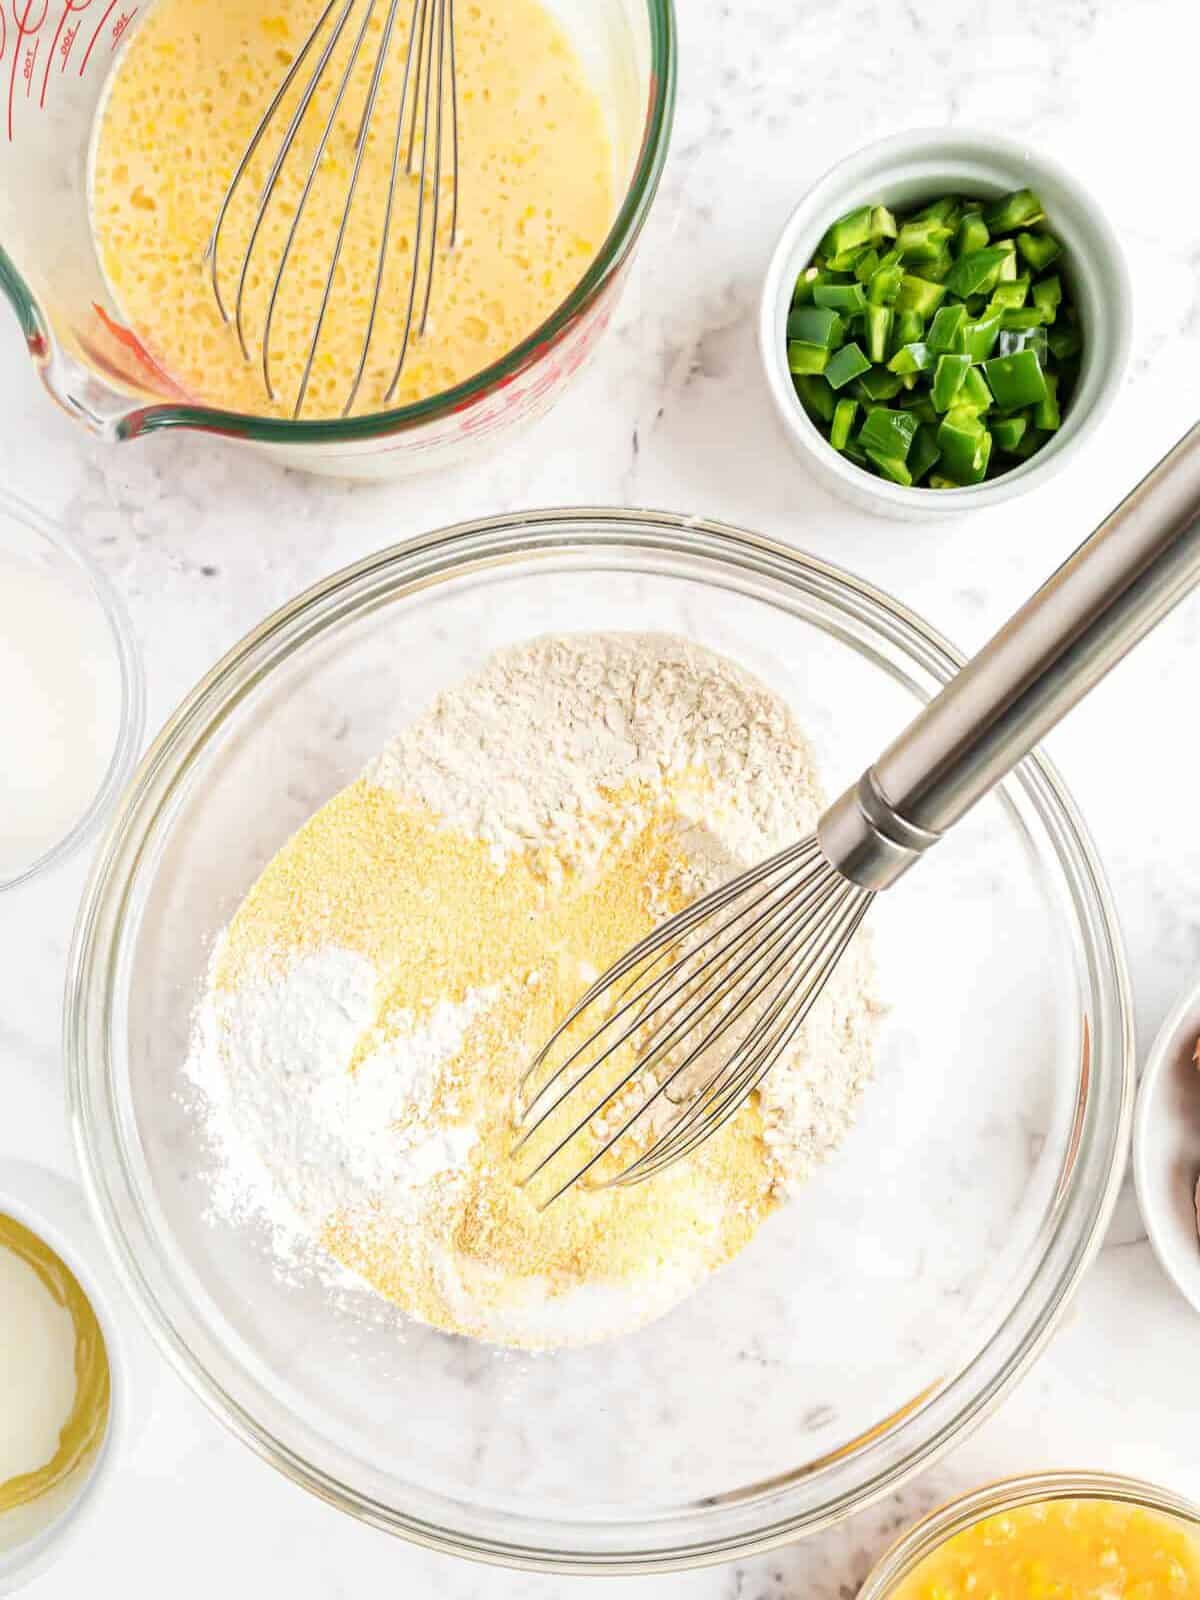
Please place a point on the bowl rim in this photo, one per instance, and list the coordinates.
(138, 417)
(1006, 1494)
(132, 713)
(1160, 1059)
(1083, 1201)
(820, 204)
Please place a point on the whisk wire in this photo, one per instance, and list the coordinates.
(360, 146)
(728, 1001)
(665, 938)
(211, 248)
(705, 1116)
(643, 1065)
(302, 203)
(762, 980)
(688, 920)
(430, 70)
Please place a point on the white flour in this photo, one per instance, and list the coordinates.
(520, 758)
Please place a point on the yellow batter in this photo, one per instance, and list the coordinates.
(1062, 1550)
(535, 199)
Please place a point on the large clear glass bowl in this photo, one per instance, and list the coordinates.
(866, 1327)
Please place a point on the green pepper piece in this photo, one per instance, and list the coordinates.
(844, 414)
(974, 392)
(866, 266)
(919, 294)
(1039, 249)
(879, 326)
(975, 274)
(890, 433)
(924, 452)
(918, 403)
(1031, 442)
(1008, 267)
(1007, 431)
(922, 239)
(1013, 339)
(891, 467)
(946, 330)
(938, 481)
(816, 325)
(1009, 296)
(948, 378)
(815, 396)
(1025, 317)
(966, 446)
(847, 260)
(1046, 413)
(979, 338)
(878, 384)
(936, 270)
(907, 328)
(883, 224)
(911, 358)
(885, 284)
(1047, 295)
(807, 360)
(1017, 210)
(1016, 380)
(805, 284)
(946, 209)
(845, 297)
(855, 452)
(972, 234)
(848, 232)
(1065, 342)
(845, 365)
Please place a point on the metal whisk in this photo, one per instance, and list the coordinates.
(669, 1043)
(425, 130)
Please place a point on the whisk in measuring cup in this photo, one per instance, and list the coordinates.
(424, 146)
(672, 1040)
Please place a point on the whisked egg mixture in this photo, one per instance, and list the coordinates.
(535, 189)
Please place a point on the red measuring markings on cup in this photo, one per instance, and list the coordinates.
(38, 37)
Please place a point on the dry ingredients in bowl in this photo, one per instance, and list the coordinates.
(375, 999)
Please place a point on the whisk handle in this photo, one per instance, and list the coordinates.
(1140, 562)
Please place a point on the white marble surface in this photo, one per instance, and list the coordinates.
(204, 540)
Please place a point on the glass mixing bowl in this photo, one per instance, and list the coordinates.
(865, 1328)
(62, 54)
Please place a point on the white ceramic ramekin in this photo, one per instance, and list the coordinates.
(54, 1209)
(903, 171)
(1166, 1146)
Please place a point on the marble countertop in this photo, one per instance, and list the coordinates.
(675, 414)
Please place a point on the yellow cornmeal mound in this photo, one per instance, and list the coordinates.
(535, 199)
(439, 919)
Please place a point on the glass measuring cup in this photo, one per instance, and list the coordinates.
(56, 57)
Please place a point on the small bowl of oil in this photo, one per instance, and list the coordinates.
(63, 1402)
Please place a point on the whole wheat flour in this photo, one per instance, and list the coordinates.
(374, 1001)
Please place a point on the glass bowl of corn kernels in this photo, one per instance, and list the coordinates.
(1048, 1536)
(872, 1320)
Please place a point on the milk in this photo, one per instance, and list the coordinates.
(60, 705)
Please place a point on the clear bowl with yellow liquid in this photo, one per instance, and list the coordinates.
(105, 370)
(1050, 1533)
(868, 1324)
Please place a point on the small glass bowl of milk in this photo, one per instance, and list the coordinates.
(71, 694)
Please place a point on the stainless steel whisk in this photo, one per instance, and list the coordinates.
(706, 1004)
(428, 105)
